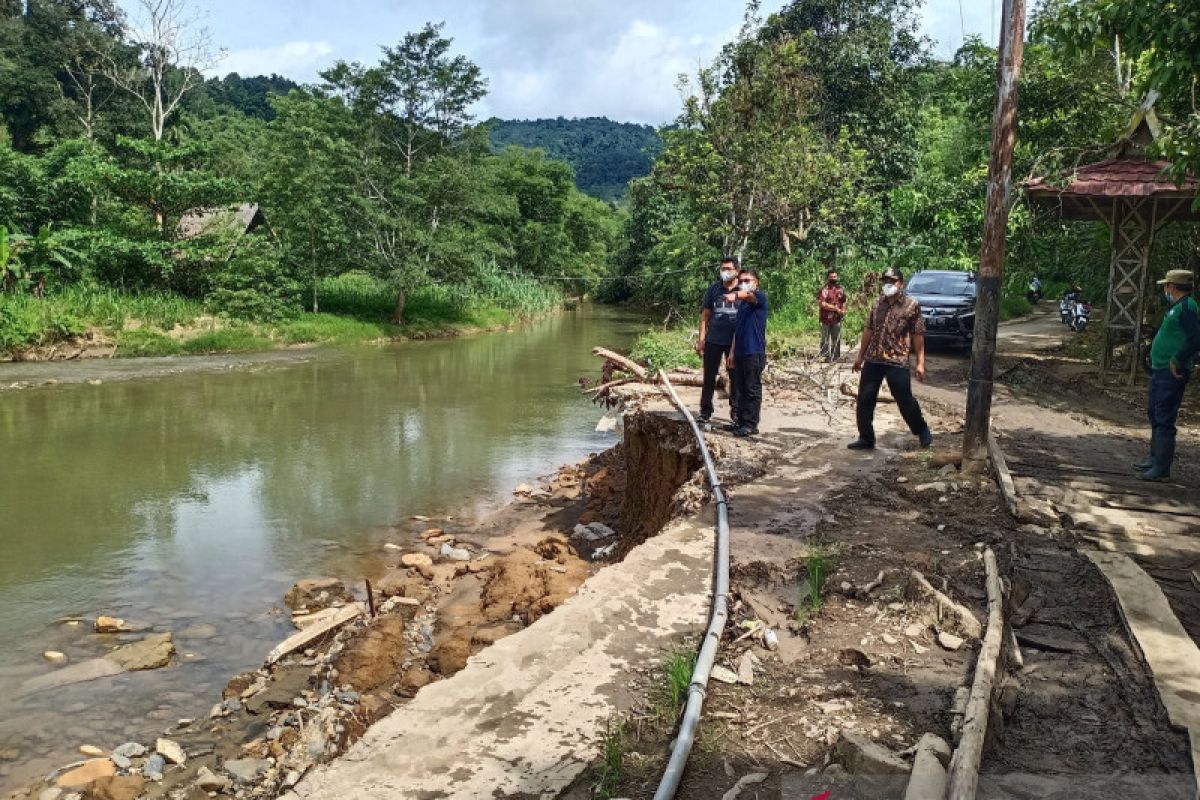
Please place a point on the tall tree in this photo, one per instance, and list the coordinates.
(173, 51)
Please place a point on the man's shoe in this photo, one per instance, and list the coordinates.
(704, 419)
(860, 444)
(1142, 466)
(926, 439)
(731, 427)
(1155, 473)
(743, 432)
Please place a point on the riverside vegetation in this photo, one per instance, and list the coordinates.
(827, 134)
(387, 213)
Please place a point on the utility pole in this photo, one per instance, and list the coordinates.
(995, 229)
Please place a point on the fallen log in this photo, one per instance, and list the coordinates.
(964, 767)
(628, 364)
(314, 632)
(918, 586)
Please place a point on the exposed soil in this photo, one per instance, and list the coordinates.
(869, 661)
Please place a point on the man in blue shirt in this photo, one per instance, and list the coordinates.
(718, 317)
(748, 357)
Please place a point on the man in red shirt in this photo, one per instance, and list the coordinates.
(832, 302)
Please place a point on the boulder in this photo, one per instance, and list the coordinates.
(316, 593)
(592, 531)
(153, 652)
(116, 788)
(412, 680)
(86, 773)
(154, 766)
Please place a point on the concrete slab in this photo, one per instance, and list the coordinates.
(526, 716)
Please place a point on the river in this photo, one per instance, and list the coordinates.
(191, 503)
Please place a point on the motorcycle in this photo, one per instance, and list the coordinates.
(1034, 293)
(1066, 304)
(1080, 314)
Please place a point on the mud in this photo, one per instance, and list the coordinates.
(1082, 712)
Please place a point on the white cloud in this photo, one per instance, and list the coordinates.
(289, 59)
(630, 75)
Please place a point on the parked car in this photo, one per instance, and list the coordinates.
(947, 301)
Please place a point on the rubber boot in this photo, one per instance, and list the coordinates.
(1142, 466)
(1164, 449)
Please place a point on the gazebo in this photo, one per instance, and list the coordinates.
(1132, 196)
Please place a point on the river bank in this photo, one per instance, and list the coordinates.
(129, 499)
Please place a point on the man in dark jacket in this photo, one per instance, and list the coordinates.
(748, 356)
(1172, 357)
(718, 316)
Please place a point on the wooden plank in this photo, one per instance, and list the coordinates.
(316, 631)
(1172, 656)
(1178, 550)
(1007, 487)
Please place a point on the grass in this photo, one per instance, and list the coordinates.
(670, 686)
(357, 307)
(817, 566)
(611, 770)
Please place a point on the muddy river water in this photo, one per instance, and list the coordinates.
(189, 503)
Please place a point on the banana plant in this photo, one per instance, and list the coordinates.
(13, 275)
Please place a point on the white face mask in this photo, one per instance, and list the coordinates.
(890, 289)
(746, 286)
(727, 276)
(1170, 297)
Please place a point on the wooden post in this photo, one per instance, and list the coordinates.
(995, 228)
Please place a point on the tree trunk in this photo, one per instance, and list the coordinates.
(398, 314)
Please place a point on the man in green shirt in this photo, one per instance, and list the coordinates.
(1172, 357)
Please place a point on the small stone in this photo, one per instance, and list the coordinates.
(86, 773)
(348, 697)
(392, 546)
(91, 751)
(456, 553)
(723, 675)
(420, 518)
(53, 793)
(919, 648)
(110, 625)
(745, 673)
(209, 781)
(888, 639)
(55, 657)
(915, 630)
(154, 766)
(291, 779)
(247, 770)
(902, 479)
(122, 762)
(416, 560)
(130, 750)
(170, 750)
(949, 640)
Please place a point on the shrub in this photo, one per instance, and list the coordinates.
(146, 342)
(253, 284)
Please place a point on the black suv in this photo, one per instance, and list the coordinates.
(947, 301)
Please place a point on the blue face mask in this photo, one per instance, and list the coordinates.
(1170, 297)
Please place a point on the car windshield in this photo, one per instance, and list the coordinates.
(952, 284)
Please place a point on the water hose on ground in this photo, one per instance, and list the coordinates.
(716, 623)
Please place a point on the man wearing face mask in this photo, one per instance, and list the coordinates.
(832, 303)
(895, 328)
(1172, 357)
(748, 355)
(718, 317)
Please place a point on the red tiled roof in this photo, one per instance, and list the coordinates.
(1118, 177)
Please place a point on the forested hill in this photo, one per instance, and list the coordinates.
(604, 153)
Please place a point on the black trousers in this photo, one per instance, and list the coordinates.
(899, 381)
(714, 357)
(748, 378)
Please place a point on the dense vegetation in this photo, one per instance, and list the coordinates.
(383, 199)
(605, 155)
(827, 135)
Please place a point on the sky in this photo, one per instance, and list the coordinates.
(542, 58)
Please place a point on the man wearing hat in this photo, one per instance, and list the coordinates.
(895, 328)
(1172, 356)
